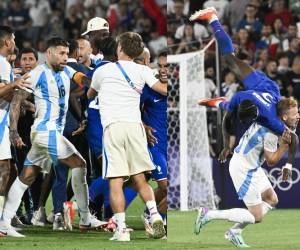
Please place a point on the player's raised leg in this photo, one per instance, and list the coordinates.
(240, 68)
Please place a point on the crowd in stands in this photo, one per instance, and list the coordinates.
(35, 21)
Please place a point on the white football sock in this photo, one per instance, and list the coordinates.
(151, 205)
(80, 189)
(266, 207)
(236, 215)
(120, 219)
(13, 200)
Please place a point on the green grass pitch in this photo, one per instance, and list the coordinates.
(44, 238)
(280, 230)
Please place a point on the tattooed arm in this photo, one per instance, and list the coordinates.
(14, 114)
(7, 88)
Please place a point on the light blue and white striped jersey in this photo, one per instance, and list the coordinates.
(51, 97)
(6, 75)
(252, 144)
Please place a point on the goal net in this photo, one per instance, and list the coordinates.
(189, 163)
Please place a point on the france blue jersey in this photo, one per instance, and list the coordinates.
(264, 93)
(94, 128)
(155, 115)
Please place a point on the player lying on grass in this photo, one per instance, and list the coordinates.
(259, 89)
(50, 84)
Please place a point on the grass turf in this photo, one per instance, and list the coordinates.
(279, 230)
(44, 238)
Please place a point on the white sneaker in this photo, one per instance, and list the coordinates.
(39, 217)
(147, 224)
(58, 224)
(121, 235)
(91, 224)
(7, 230)
(158, 227)
(50, 217)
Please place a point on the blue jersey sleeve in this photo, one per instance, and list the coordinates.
(276, 125)
(233, 104)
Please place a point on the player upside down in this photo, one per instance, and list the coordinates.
(257, 103)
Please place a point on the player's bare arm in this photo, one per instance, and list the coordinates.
(92, 93)
(6, 89)
(161, 88)
(19, 96)
(273, 157)
(228, 137)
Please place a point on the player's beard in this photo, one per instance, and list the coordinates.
(58, 67)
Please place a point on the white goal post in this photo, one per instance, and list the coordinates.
(188, 148)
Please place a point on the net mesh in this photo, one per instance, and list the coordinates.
(199, 167)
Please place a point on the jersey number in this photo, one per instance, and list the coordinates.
(62, 91)
(265, 98)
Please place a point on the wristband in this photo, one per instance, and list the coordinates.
(288, 166)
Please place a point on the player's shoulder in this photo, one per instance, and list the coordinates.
(38, 70)
(104, 66)
(265, 132)
(5, 65)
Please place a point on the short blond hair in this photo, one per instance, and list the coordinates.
(285, 104)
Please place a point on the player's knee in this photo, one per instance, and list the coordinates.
(258, 218)
(273, 201)
(80, 162)
(27, 177)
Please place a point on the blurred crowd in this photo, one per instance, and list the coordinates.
(266, 34)
(34, 21)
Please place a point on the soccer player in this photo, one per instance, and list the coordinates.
(266, 95)
(154, 116)
(50, 84)
(257, 145)
(119, 86)
(7, 86)
(259, 89)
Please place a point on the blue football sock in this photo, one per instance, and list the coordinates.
(224, 41)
